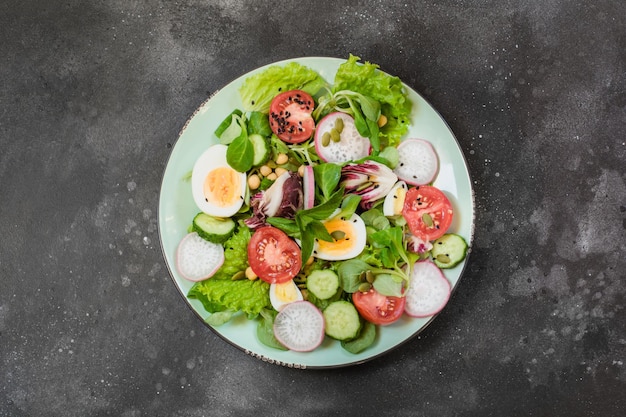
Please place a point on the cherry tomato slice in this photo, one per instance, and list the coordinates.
(273, 256)
(428, 212)
(290, 116)
(377, 308)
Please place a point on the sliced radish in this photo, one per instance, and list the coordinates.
(308, 186)
(350, 147)
(198, 259)
(299, 326)
(418, 162)
(428, 290)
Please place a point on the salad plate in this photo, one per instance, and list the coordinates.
(177, 209)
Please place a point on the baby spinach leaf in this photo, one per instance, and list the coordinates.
(327, 177)
(235, 129)
(370, 107)
(226, 123)
(265, 329)
(219, 318)
(366, 337)
(349, 273)
(388, 284)
(240, 154)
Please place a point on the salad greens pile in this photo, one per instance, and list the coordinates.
(368, 95)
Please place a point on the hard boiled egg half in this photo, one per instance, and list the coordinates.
(218, 189)
(394, 201)
(283, 294)
(349, 239)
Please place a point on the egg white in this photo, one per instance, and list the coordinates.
(355, 229)
(283, 294)
(215, 157)
(394, 200)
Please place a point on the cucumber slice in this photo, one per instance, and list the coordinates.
(261, 149)
(213, 229)
(449, 250)
(342, 320)
(323, 283)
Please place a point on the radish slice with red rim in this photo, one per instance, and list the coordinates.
(428, 290)
(198, 259)
(308, 186)
(351, 146)
(418, 163)
(299, 326)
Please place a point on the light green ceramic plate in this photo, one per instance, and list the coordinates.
(177, 208)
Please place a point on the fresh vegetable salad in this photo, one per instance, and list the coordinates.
(317, 217)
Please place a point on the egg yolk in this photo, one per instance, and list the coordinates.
(398, 201)
(341, 244)
(286, 292)
(222, 187)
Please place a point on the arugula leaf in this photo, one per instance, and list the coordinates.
(317, 229)
(286, 225)
(309, 223)
(349, 205)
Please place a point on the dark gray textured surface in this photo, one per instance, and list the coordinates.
(93, 94)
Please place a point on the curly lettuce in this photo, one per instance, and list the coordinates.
(366, 79)
(221, 293)
(258, 90)
(249, 297)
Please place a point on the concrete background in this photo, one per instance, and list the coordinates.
(94, 93)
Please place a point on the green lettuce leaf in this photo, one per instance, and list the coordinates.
(243, 295)
(259, 89)
(235, 254)
(388, 90)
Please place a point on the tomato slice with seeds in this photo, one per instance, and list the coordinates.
(273, 256)
(290, 116)
(427, 211)
(377, 308)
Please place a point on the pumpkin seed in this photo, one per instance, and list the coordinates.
(369, 277)
(365, 287)
(339, 125)
(427, 219)
(363, 186)
(326, 139)
(443, 258)
(334, 135)
(239, 275)
(338, 234)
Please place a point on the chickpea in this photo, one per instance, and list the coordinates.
(250, 274)
(301, 170)
(254, 181)
(382, 120)
(272, 176)
(279, 171)
(265, 170)
(282, 159)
